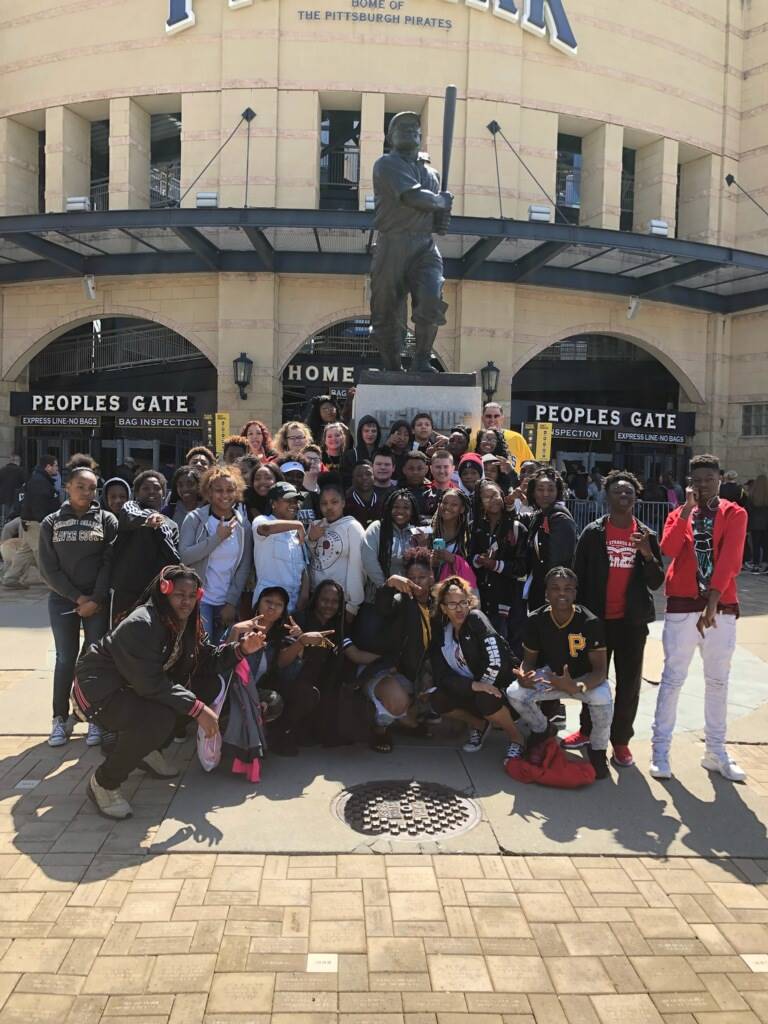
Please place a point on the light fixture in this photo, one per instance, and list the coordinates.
(243, 367)
(206, 200)
(633, 307)
(370, 201)
(78, 204)
(489, 377)
(89, 286)
(658, 227)
(540, 214)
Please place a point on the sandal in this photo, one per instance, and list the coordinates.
(381, 740)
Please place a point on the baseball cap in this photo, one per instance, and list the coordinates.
(282, 491)
(292, 467)
(490, 457)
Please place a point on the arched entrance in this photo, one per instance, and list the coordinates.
(611, 404)
(119, 388)
(329, 362)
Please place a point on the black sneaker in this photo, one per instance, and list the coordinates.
(558, 718)
(599, 761)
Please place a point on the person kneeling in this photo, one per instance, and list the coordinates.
(471, 663)
(141, 675)
(564, 656)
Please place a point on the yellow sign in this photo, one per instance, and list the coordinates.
(539, 438)
(221, 430)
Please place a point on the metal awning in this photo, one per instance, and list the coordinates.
(712, 278)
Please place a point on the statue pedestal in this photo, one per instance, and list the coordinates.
(449, 398)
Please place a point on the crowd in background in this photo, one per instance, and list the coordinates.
(369, 583)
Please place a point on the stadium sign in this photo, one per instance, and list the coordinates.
(544, 18)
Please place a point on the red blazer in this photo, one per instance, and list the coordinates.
(728, 543)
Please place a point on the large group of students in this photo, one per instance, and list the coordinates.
(366, 586)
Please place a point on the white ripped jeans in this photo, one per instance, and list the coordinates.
(526, 702)
(680, 639)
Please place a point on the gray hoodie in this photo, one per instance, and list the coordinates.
(196, 544)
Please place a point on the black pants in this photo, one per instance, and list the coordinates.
(141, 726)
(625, 643)
(300, 698)
(481, 705)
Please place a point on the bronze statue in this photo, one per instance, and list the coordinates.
(409, 207)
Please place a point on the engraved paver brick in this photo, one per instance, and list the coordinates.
(500, 922)
(546, 907)
(623, 1009)
(35, 955)
(458, 973)
(23, 1008)
(411, 879)
(666, 974)
(519, 974)
(396, 955)
(118, 975)
(661, 923)
(336, 937)
(589, 939)
(580, 975)
(416, 906)
(285, 893)
(335, 906)
(231, 993)
(182, 973)
(156, 906)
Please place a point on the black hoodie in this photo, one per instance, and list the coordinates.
(76, 552)
(360, 451)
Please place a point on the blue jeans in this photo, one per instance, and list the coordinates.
(209, 614)
(66, 636)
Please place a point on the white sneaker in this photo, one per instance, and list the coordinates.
(61, 730)
(724, 764)
(477, 738)
(659, 767)
(93, 739)
(109, 802)
(154, 764)
(514, 752)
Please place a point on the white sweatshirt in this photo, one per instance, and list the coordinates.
(337, 556)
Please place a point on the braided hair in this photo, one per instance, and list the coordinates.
(462, 537)
(153, 595)
(386, 532)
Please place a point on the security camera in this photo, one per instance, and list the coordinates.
(632, 308)
(89, 286)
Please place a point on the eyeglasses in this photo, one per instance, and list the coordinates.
(295, 437)
(455, 605)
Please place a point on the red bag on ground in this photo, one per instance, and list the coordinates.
(556, 769)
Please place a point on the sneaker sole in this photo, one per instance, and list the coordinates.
(481, 744)
(663, 776)
(574, 746)
(58, 743)
(622, 764)
(728, 778)
(109, 817)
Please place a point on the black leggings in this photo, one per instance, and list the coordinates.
(481, 705)
(141, 726)
(300, 698)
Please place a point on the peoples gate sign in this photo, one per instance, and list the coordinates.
(544, 18)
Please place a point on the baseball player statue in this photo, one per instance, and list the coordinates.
(409, 208)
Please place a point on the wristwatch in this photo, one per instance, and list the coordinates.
(581, 687)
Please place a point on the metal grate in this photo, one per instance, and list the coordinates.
(406, 810)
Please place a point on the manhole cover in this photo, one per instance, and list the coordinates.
(406, 810)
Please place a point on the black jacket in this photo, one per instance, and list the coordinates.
(404, 623)
(487, 655)
(40, 497)
(507, 544)
(133, 656)
(140, 553)
(551, 542)
(75, 552)
(11, 479)
(591, 566)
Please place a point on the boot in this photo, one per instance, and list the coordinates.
(425, 339)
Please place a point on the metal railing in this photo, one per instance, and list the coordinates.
(652, 513)
(112, 350)
(100, 195)
(340, 166)
(164, 185)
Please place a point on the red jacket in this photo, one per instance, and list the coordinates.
(728, 549)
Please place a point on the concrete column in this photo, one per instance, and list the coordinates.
(656, 184)
(67, 157)
(486, 315)
(699, 193)
(18, 168)
(712, 424)
(371, 140)
(200, 138)
(247, 323)
(263, 148)
(298, 150)
(601, 163)
(129, 155)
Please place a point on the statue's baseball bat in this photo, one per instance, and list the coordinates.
(449, 119)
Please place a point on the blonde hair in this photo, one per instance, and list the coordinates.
(281, 438)
(441, 590)
(215, 473)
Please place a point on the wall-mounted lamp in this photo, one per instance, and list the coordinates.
(489, 377)
(243, 367)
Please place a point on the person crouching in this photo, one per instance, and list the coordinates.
(142, 675)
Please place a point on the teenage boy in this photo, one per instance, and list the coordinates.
(383, 471)
(363, 503)
(564, 656)
(425, 439)
(278, 547)
(441, 468)
(519, 449)
(705, 540)
(415, 467)
(618, 564)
